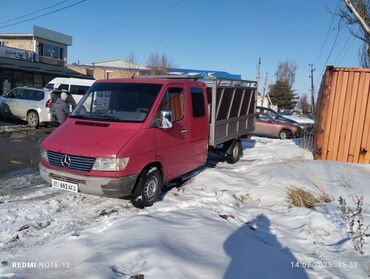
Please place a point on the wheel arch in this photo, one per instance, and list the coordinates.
(156, 164)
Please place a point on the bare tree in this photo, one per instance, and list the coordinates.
(363, 56)
(133, 64)
(132, 58)
(303, 104)
(159, 63)
(357, 16)
(286, 72)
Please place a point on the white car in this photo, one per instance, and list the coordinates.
(76, 86)
(30, 104)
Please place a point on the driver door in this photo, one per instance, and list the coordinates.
(173, 144)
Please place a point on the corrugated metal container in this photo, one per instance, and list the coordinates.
(343, 116)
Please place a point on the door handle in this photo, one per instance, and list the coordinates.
(184, 131)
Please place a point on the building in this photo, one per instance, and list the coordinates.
(49, 46)
(110, 69)
(123, 69)
(33, 59)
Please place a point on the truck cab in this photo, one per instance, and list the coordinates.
(128, 137)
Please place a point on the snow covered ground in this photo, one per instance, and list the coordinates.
(226, 221)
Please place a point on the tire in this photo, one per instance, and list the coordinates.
(234, 152)
(285, 134)
(33, 119)
(148, 188)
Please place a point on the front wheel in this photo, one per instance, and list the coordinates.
(33, 119)
(285, 134)
(148, 188)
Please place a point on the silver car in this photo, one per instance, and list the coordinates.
(30, 104)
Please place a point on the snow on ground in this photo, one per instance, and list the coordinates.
(13, 128)
(226, 221)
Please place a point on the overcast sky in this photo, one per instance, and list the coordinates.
(200, 34)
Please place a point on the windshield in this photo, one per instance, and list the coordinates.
(278, 117)
(120, 102)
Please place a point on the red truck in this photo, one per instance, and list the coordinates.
(129, 137)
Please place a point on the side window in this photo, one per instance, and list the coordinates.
(14, 94)
(197, 102)
(79, 89)
(37, 95)
(27, 94)
(263, 118)
(50, 86)
(174, 100)
(63, 87)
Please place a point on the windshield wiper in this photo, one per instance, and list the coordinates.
(104, 116)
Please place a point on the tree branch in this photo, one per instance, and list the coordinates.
(364, 25)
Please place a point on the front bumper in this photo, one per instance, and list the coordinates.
(101, 186)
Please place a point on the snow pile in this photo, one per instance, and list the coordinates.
(226, 221)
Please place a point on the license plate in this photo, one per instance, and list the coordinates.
(64, 185)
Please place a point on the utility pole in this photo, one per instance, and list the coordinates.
(264, 89)
(258, 77)
(312, 90)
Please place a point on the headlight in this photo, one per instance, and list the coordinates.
(44, 154)
(106, 164)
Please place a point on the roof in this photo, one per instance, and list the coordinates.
(144, 80)
(118, 63)
(219, 74)
(15, 35)
(43, 33)
(28, 66)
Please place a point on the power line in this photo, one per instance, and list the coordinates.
(318, 55)
(340, 53)
(34, 12)
(332, 47)
(107, 29)
(331, 51)
(346, 51)
(44, 14)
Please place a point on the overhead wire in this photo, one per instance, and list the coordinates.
(44, 14)
(34, 12)
(343, 49)
(319, 54)
(113, 27)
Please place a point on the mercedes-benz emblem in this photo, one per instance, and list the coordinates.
(66, 161)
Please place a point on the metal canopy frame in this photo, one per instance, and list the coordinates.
(208, 80)
(226, 129)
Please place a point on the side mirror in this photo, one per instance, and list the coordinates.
(165, 119)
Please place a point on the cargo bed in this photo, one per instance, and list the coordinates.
(232, 108)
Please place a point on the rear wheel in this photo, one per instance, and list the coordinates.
(234, 152)
(285, 134)
(148, 188)
(33, 119)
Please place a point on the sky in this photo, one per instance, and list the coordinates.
(199, 34)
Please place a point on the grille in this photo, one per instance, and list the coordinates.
(78, 163)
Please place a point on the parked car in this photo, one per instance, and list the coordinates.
(129, 137)
(306, 125)
(76, 86)
(276, 116)
(26, 103)
(266, 126)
